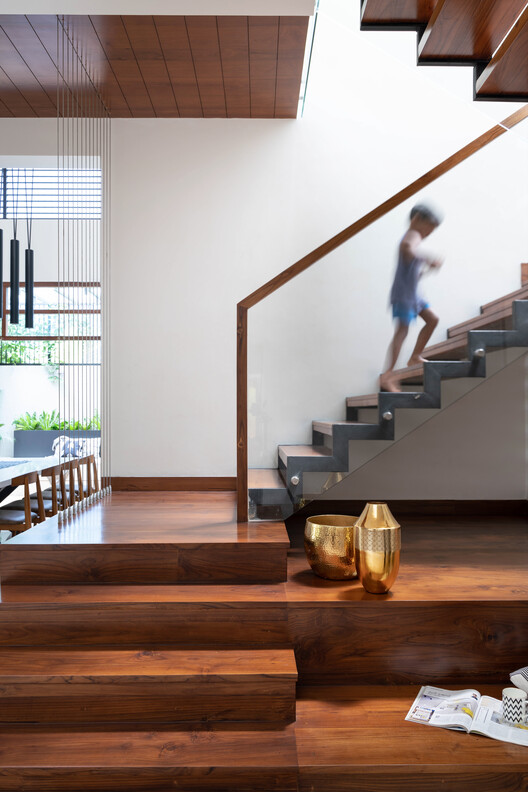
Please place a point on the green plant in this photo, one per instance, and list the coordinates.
(28, 422)
(50, 421)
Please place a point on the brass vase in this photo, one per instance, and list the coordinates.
(329, 546)
(377, 543)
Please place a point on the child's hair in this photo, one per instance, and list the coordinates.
(426, 213)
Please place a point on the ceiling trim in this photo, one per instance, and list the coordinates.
(160, 7)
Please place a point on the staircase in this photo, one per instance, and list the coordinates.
(501, 324)
(191, 685)
(490, 35)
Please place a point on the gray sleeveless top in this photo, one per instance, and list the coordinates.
(404, 290)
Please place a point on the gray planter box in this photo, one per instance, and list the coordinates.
(38, 442)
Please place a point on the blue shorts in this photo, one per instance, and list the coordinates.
(406, 315)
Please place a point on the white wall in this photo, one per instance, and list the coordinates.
(228, 204)
(23, 389)
(205, 211)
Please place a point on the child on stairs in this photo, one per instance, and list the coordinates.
(405, 298)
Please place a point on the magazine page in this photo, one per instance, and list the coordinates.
(449, 709)
(487, 722)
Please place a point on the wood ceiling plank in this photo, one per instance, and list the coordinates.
(233, 33)
(13, 99)
(45, 27)
(205, 48)
(467, 30)
(387, 13)
(292, 46)
(176, 48)
(114, 40)
(22, 36)
(263, 49)
(5, 112)
(506, 76)
(23, 78)
(145, 43)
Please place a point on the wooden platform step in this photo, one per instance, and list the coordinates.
(62, 685)
(130, 537)
(354, 739)
(214, 759)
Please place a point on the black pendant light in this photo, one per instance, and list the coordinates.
(29, 274)
(14, 280)
(1, 274)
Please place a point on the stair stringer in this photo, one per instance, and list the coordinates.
(435, 371)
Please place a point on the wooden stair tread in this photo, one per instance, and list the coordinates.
(364, 728)
(494, 305)
(49, 665)
(325, 427)
(262, 478)
(387, 12)
(467, 30)
(131, 538)
(371, 400)
(505, 74)
(38, 747)
(488, 320)
(304, 451)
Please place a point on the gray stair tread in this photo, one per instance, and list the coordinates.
(265, 478)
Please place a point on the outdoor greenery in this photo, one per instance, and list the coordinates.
(18, 353)
(50, 421)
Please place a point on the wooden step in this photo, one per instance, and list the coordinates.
(327, 427)
(491, 320)
(503, 77)
(161, 685)
(128, 537)
(371, 400)
(356, 738)
(461, 31)
(307, 451)
(388, 14)
(227, 615)
(504, 302)
(265, 479)
(39, 759)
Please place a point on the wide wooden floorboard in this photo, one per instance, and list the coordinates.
(356, 738)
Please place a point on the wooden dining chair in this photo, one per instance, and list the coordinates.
(16, 519)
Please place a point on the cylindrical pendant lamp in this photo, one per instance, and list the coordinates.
(14, 281)
(30, 282)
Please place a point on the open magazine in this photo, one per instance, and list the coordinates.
(464, 710)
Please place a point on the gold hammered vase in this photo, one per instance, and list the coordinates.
(329, 546)
(377, 543)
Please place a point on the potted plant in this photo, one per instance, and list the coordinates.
(35, 434)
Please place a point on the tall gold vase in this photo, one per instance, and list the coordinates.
(377, 539)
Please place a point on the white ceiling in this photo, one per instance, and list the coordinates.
(172, 7)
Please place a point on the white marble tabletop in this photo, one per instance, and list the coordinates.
(23, 466)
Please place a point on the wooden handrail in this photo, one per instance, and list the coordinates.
(311, 258)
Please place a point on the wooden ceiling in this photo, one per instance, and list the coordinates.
(159, 66)
(492, 34)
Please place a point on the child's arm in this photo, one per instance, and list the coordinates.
(409, 250)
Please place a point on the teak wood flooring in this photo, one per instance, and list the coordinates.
(190, 685)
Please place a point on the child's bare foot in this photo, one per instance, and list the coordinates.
(416, 360)
(388, 382)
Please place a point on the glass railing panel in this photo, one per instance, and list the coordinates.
(322, 338)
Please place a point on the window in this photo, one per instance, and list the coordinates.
(50, 193)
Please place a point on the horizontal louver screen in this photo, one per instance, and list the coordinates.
(51, 194)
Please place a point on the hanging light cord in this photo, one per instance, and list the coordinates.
(29, 212)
